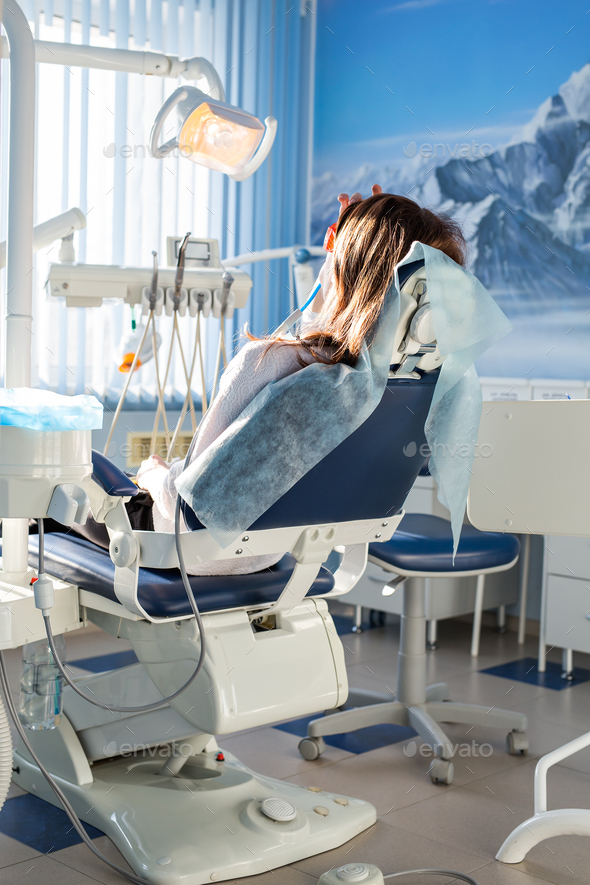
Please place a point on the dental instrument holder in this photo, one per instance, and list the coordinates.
(223, 299)
(200, 301)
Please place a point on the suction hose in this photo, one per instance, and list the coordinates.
(5, 754)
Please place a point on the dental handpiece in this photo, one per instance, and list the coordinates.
(180, 271)
(227, 281)
(154, 291)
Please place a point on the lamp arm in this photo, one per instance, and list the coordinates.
(262, 152)
(202, 67)
(163, 150)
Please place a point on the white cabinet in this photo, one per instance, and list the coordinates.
(565, 610)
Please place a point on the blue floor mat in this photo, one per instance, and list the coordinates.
(100, 663)
(361, 741)
(526, 670)
(39, 825)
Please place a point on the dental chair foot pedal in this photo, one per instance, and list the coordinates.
(215, 820)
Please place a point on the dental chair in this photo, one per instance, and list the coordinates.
(179, 808)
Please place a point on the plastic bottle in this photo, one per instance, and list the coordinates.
(41, 686)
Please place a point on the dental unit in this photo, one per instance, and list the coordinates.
(216, 654)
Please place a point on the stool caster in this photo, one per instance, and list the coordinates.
(501, 629)
(312, 748)
(442, 771)
(431, 646)
(517, 743)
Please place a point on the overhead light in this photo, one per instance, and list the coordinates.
(214, 134)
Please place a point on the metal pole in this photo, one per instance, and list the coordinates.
(19, 245)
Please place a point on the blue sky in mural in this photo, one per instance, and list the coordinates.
(481, 110)
(449, 61)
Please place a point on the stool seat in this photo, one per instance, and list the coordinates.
(161, 591)
(424, 543)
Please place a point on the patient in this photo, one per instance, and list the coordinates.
(372, 236)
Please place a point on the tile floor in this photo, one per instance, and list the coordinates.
(420, 824)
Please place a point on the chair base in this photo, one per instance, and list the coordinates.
(542, 826)
(204, 824)
(424, 718)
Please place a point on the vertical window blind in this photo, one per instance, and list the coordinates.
(92, 151)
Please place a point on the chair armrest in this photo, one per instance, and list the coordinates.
(110, 477)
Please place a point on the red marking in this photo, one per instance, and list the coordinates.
(329, 238)
(220, 757)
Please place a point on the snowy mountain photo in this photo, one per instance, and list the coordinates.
(525, 210)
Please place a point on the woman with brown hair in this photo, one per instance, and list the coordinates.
(372, 236)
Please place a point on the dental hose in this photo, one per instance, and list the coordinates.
(197, 347)
(63, 799)
(145, 708)
(127, 383)
(432, 872)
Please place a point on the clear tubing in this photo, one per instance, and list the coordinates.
(65, 802)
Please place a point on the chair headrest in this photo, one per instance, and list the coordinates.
(415, 345)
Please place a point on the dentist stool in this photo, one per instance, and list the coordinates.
(421, 549)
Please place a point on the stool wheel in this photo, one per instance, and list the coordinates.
(517, 743)
(312, 748)
(431, 646)
(442, 771)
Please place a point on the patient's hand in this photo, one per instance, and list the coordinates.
(150, 475)
(345, 201)
(156, 459)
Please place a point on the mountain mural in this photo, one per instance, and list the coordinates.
(525, 210)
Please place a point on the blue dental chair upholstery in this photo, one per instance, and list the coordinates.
(348, 484)
(424, 543)
(422, 546)
(161, 591)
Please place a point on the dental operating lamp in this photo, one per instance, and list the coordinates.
(213, 133)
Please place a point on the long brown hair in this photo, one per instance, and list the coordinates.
(372, 237)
